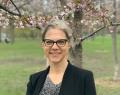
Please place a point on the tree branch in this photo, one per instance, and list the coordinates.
(112, 24)
(84, 38)
(23, 18)
(17, 14)
(7, 10)
(16, 8)
(115, 24)
(27, 2)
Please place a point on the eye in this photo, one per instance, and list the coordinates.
(61, 42)
(49, 42)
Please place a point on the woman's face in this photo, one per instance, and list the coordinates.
(56, 46)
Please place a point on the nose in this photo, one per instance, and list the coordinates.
(55, 46)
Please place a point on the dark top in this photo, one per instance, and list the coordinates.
(75, 81)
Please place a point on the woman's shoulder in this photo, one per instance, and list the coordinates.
(36, 74)
(81, 71)
(39, 74)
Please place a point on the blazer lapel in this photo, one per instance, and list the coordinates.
(65, 84)
(41, 81)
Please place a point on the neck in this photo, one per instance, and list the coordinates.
(58, 68)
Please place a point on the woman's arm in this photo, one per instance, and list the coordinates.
(90, 84)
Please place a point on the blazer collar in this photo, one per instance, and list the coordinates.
(41, 81)
(66, 77)
(42, 78)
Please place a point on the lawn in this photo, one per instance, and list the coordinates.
(19, 60)
(97, 56)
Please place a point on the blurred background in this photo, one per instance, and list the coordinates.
(96, 38)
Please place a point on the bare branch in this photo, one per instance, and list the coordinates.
(115, 24)
(7, 10)
(27, 2)
(17, 14)
(84, 38)
(16, 8)
(24, 19)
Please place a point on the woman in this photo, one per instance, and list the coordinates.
(61, 77)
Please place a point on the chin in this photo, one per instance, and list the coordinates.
(55, 61)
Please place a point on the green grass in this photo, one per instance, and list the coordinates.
(21, 49)
(14, 77)
(19, 60)
(97, 56)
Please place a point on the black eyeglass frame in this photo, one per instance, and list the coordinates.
(57, 42)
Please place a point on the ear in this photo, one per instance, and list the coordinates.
(42, 44)
(69, 45)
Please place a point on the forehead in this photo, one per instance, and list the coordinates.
(54, 33)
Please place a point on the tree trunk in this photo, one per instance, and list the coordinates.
(115, 56)
(63, 3)
(114, 41)
(11, 30)
(0, 32)
(76, 49)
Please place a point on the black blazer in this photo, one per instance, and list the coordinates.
(75, 82)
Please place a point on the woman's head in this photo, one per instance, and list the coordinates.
(56, 41)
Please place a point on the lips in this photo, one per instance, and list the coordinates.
(54, 53)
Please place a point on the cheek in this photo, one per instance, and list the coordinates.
(46, 50)
(66, 50)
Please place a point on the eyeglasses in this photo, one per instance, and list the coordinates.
(50, 43)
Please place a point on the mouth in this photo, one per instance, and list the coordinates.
(54, 53)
